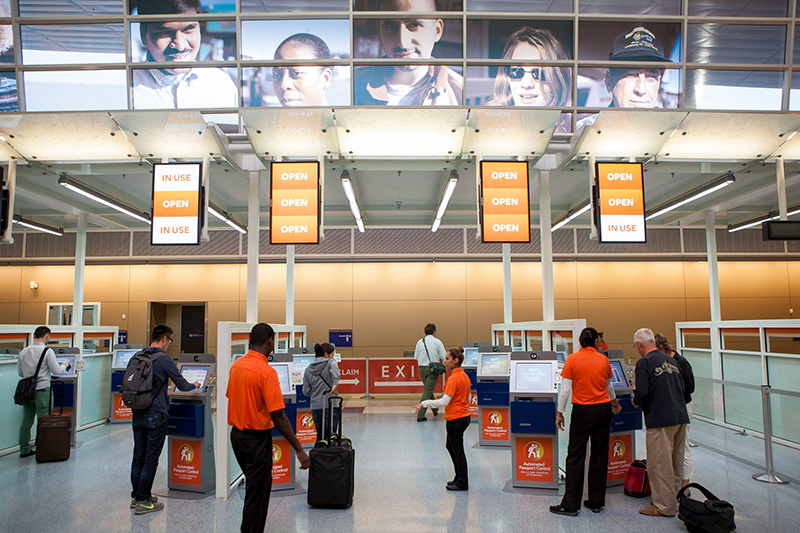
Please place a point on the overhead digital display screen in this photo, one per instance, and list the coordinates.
(619, 202)
(176, 203)
(505, 202)
(294, 213)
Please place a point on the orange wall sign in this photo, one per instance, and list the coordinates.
(281, 462)
(186, 461)
(505, 201)
(176, 203)
(534, 459)
(620, 199)
(294, 213)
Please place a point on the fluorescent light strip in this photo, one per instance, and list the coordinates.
(32, 224)
(226, 218)
(448, 193)
(579, 210)
(350, 193)
(794, 210)
(99, 197)
(712, 186)
(436, 224)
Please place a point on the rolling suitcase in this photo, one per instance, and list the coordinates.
(53, 436)
(331, 478)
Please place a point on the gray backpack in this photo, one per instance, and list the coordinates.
(138, 387)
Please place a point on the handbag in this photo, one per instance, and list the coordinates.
(637, 482)
(435, 368)
(710, 516)
(26, 388)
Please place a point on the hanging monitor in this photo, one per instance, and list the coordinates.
(295, 203)
(176, 203)
(619, 202)
(505, 202)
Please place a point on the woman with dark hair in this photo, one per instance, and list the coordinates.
(534, 85)
(302, 85)
(456, 412)
(320, 381)
(587, 375)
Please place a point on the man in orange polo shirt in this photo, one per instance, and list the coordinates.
(255, 406)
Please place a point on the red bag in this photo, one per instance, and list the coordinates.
(637, 482)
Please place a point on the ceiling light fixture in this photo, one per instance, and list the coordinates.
(38, 226)
(350, 193)
(696, 193)
(573, 213)
(757, 221)
(226, 217)
(103, 198)
(448, 193)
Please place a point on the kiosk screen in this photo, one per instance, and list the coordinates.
(562, 357)
(123, 357)
(534, 376)
(283, 376)
(618, 374)
(494, 364)
(194, 373)
(301, 362)
(470, 357)
(69, 362)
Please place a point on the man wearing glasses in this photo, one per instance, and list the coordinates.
(150, 425)
(635, 86)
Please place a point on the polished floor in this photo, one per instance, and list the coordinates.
(402, 467)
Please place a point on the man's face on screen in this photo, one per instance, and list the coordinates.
(409, 38)
(173, 41)
(634, 87)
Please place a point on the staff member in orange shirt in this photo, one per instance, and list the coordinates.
(456, 412)
(587, 375)
(255, 406)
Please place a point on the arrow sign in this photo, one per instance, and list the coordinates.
(349, 381)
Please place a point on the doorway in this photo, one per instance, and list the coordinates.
(188, 321)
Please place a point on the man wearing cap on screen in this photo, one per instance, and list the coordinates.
(408, 85)
(177, 41)
(633, 86)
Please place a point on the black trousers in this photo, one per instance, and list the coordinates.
(589, 423)
(455, 446)
(253, 451)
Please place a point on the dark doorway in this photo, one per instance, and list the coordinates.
(193, 329)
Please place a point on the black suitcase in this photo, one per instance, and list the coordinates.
(53, 436)
(331, 478)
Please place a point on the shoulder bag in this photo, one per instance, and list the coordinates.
(436, 368)
(26, 388)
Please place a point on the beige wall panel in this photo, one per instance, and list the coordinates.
(630, 280)
(107, 283)
(219, 312)
(111, 314)
(755, 308)
(55, 284)
(619, 319)
(137, 323)
(271, 283)
(481, 314)
(184, 283)
(794, 278)
(271, 312)
(526, 281)
(567, 309)
(695, 275)
(565, 279)
(400, 324)
(527, 310)
(759, 279)
(11, 284)
(380, 351)
(321, 317)
(697, 309)
(9, 313)
(33, 313)
(409, 281)
(484, 281)
(323, 282)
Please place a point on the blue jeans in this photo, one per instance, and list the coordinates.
(149, 433)
(322, 428)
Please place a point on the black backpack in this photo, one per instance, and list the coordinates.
(710, 516)
(138, 386)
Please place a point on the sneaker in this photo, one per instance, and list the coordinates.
(148, 507)
(152, 499)
(28, 454)
(456, 488)
(593, 508)
(435, 412)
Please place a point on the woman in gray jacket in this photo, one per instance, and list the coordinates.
(320, 380)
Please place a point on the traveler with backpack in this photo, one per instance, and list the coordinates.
(144, 390)
(321, 381)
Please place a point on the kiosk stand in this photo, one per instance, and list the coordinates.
(622, 440)
(470, 366)
(283, 455)
(190, 447)
(534, 437)
(493, 400)
(122, 354)
(306, 431)
(66, 393)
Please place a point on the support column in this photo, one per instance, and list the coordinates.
(546, 238)
(714, 305)
(80, 270)
(206, 183)
(290, 285)
(781, 175)
(6, 237)
(507, 301)
(253, 230)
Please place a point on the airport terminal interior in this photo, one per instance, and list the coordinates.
(348, 171)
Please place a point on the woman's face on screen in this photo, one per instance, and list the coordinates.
(300, 85)
(526, 82)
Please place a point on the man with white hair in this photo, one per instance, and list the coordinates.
(659, 392)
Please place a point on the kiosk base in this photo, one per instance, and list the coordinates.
(533, 491)
(182, 494)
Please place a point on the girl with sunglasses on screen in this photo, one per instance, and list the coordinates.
(529, 85)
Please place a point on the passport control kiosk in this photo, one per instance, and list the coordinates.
(470, 366)
(535, 378)
(283, 455)
(494, 366)
(622, 439)
(306, 431)
(190, 446)
(122, 354)
(66, 391)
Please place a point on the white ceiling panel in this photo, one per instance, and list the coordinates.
(290, 132)
(172, 134)
(629, 133)
(509, 132)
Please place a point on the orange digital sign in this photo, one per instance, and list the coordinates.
(505, 201)
(176, 203)
(294, 201)
(620, 201)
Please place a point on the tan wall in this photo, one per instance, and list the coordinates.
(387, 304)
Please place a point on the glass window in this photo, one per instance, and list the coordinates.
(160, 7)
(195, 88)
(796, 55)
(631, 7)
(408, 38)
(640, 87)
(438, 85)
(290, 86)
(9, 100)
(307, 39)
(183, 41)
(83, 8)
(6, 44)
(734, 90)
(529, 6)
(75, 90)
(421, 5)
(293, 6)
(735, 43)
(629, 41)
(519, 39)
(5, 8)
(738, 8)
(73, 44)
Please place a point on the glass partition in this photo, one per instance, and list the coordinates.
(703, 396)
(696, 338)
(784, 374)
(742, 406)
(95, 389)
(742, 339)
(783, 340)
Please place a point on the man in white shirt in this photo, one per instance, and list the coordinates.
(26, 366)
(429, 350)
(179, 41)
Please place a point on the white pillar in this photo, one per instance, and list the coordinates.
(253, 230)
(507, 301)
(6, 233)
(546, 238)
(80, 270)
(206, 183)
(290, 286)
(714, 304)
(781, 175)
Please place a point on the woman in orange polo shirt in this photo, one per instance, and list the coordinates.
(456, 412)
(587, 375)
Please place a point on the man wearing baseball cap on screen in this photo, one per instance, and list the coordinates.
(634, 86)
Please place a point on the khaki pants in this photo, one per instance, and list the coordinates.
(429, 380)
(665, 448)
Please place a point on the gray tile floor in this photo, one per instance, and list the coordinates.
(402, 467)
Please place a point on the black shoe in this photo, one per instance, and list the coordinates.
(435, 412)
(423, 419)
(593, 508)
(558, 509)
(454, 487)
(32, 452)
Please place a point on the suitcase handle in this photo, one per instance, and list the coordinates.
(331, 401)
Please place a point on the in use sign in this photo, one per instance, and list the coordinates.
(620, 202)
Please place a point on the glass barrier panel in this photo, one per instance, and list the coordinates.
(561, 341)
(720, 43)
(75, 90)
(95, 389)
(696, 338)
(10, 413)
(784, 373)
(515, 338)
(783, 340)
(534, 340)
(742, 406)
(703, 396)
(742, 339)
(76, 44)
(84, 8)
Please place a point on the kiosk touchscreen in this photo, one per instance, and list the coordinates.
(195, 372)
(534, 377)
(67, 361)
(122, 358)
(619, 378)
(284, 377)
(494, 365)
(470, 357)
(301, 362)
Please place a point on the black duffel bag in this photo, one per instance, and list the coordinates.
(710, 516)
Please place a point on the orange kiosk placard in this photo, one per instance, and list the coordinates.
(495, 423)
(505, 202)
(186, 461)
(535, 459)
(281, 462)
(294, 203)
(620, 456)
(306, 430)
(176, 209)
(619, 197)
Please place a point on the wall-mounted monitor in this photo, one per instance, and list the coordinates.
(619, 378)
(122, 358)
(534, 377)
(196, 372)
(494, 365)
(470, 357)
(69, 362)
(284, 371)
